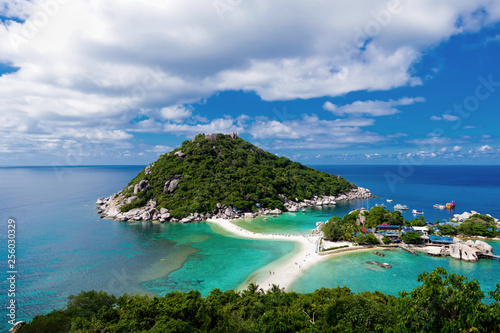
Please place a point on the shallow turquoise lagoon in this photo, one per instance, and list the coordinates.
(350, 270)
(299, 223)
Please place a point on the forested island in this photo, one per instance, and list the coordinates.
(442, 303)
(218, 175)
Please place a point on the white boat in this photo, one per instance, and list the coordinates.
(401, 207)
(389, 200)
(417, 212)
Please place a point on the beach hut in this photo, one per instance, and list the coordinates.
(442, 240)
(423, 230)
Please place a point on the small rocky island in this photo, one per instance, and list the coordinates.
(223, 176)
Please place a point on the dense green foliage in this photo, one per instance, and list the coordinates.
(379, 215)
(346, 228)
(478, 225)
(411, 237)
(233, 172)
(366, 239)
(418, 222)
(447, 230)
(443, 303)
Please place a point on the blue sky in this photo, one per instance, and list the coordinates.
(107, 82)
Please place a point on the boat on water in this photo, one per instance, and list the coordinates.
(389, 200)
(380, 205)
(450, 205)
(401, 207)
(303, 210)
(439, 206)
(417, 212)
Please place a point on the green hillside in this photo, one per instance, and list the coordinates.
(226, 169)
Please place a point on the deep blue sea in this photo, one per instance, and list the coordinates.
(63, 247)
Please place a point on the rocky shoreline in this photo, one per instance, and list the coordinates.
(110, 208)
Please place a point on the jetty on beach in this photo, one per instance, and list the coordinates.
(407, 249)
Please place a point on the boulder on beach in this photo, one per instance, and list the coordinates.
(484, 247)
(462, 252)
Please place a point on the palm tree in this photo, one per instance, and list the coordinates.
(275, 289)
(253, 289)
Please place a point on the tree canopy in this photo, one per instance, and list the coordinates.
(442, 303)
(232, 172)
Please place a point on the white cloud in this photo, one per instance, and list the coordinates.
(176, 113)
(436, 118)
(370, 108)
(94, 62)
(432, 141)
(485, 148)
(160, 149)
(311, 127)
(450, 117)
(457, 148)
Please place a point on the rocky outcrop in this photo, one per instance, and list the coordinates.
(171, 183)
(143, 184)
(462, 251)
(361, 220)
(354, 194)
(110, 207)
(319, 228)
(465, 215)
(147, 170)
(212, 137)
(17, 326)
(180, 156)
(484, 247)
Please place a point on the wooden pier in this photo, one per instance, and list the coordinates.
(404, 248)
(487, 256)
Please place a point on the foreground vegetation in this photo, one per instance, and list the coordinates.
(232, 172)
(349, 228)
(442, 303)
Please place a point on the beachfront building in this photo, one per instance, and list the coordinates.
(389, 231)
(423, 230)
(438, 240)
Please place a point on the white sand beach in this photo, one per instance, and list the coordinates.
(281, 272)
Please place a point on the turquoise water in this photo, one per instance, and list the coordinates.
(299, 223)
(63, 247)
(350, 270)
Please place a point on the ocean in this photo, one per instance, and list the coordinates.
(63, 247)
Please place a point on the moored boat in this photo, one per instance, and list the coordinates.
(450, 205)
(401, 207)
(417, 212)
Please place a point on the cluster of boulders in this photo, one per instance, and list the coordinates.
(319, 228)
(354, 194)
(213, 136)
(469, 250)
(110, 207)
(465, 215)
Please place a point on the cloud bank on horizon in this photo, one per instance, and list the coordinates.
(112, 82)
